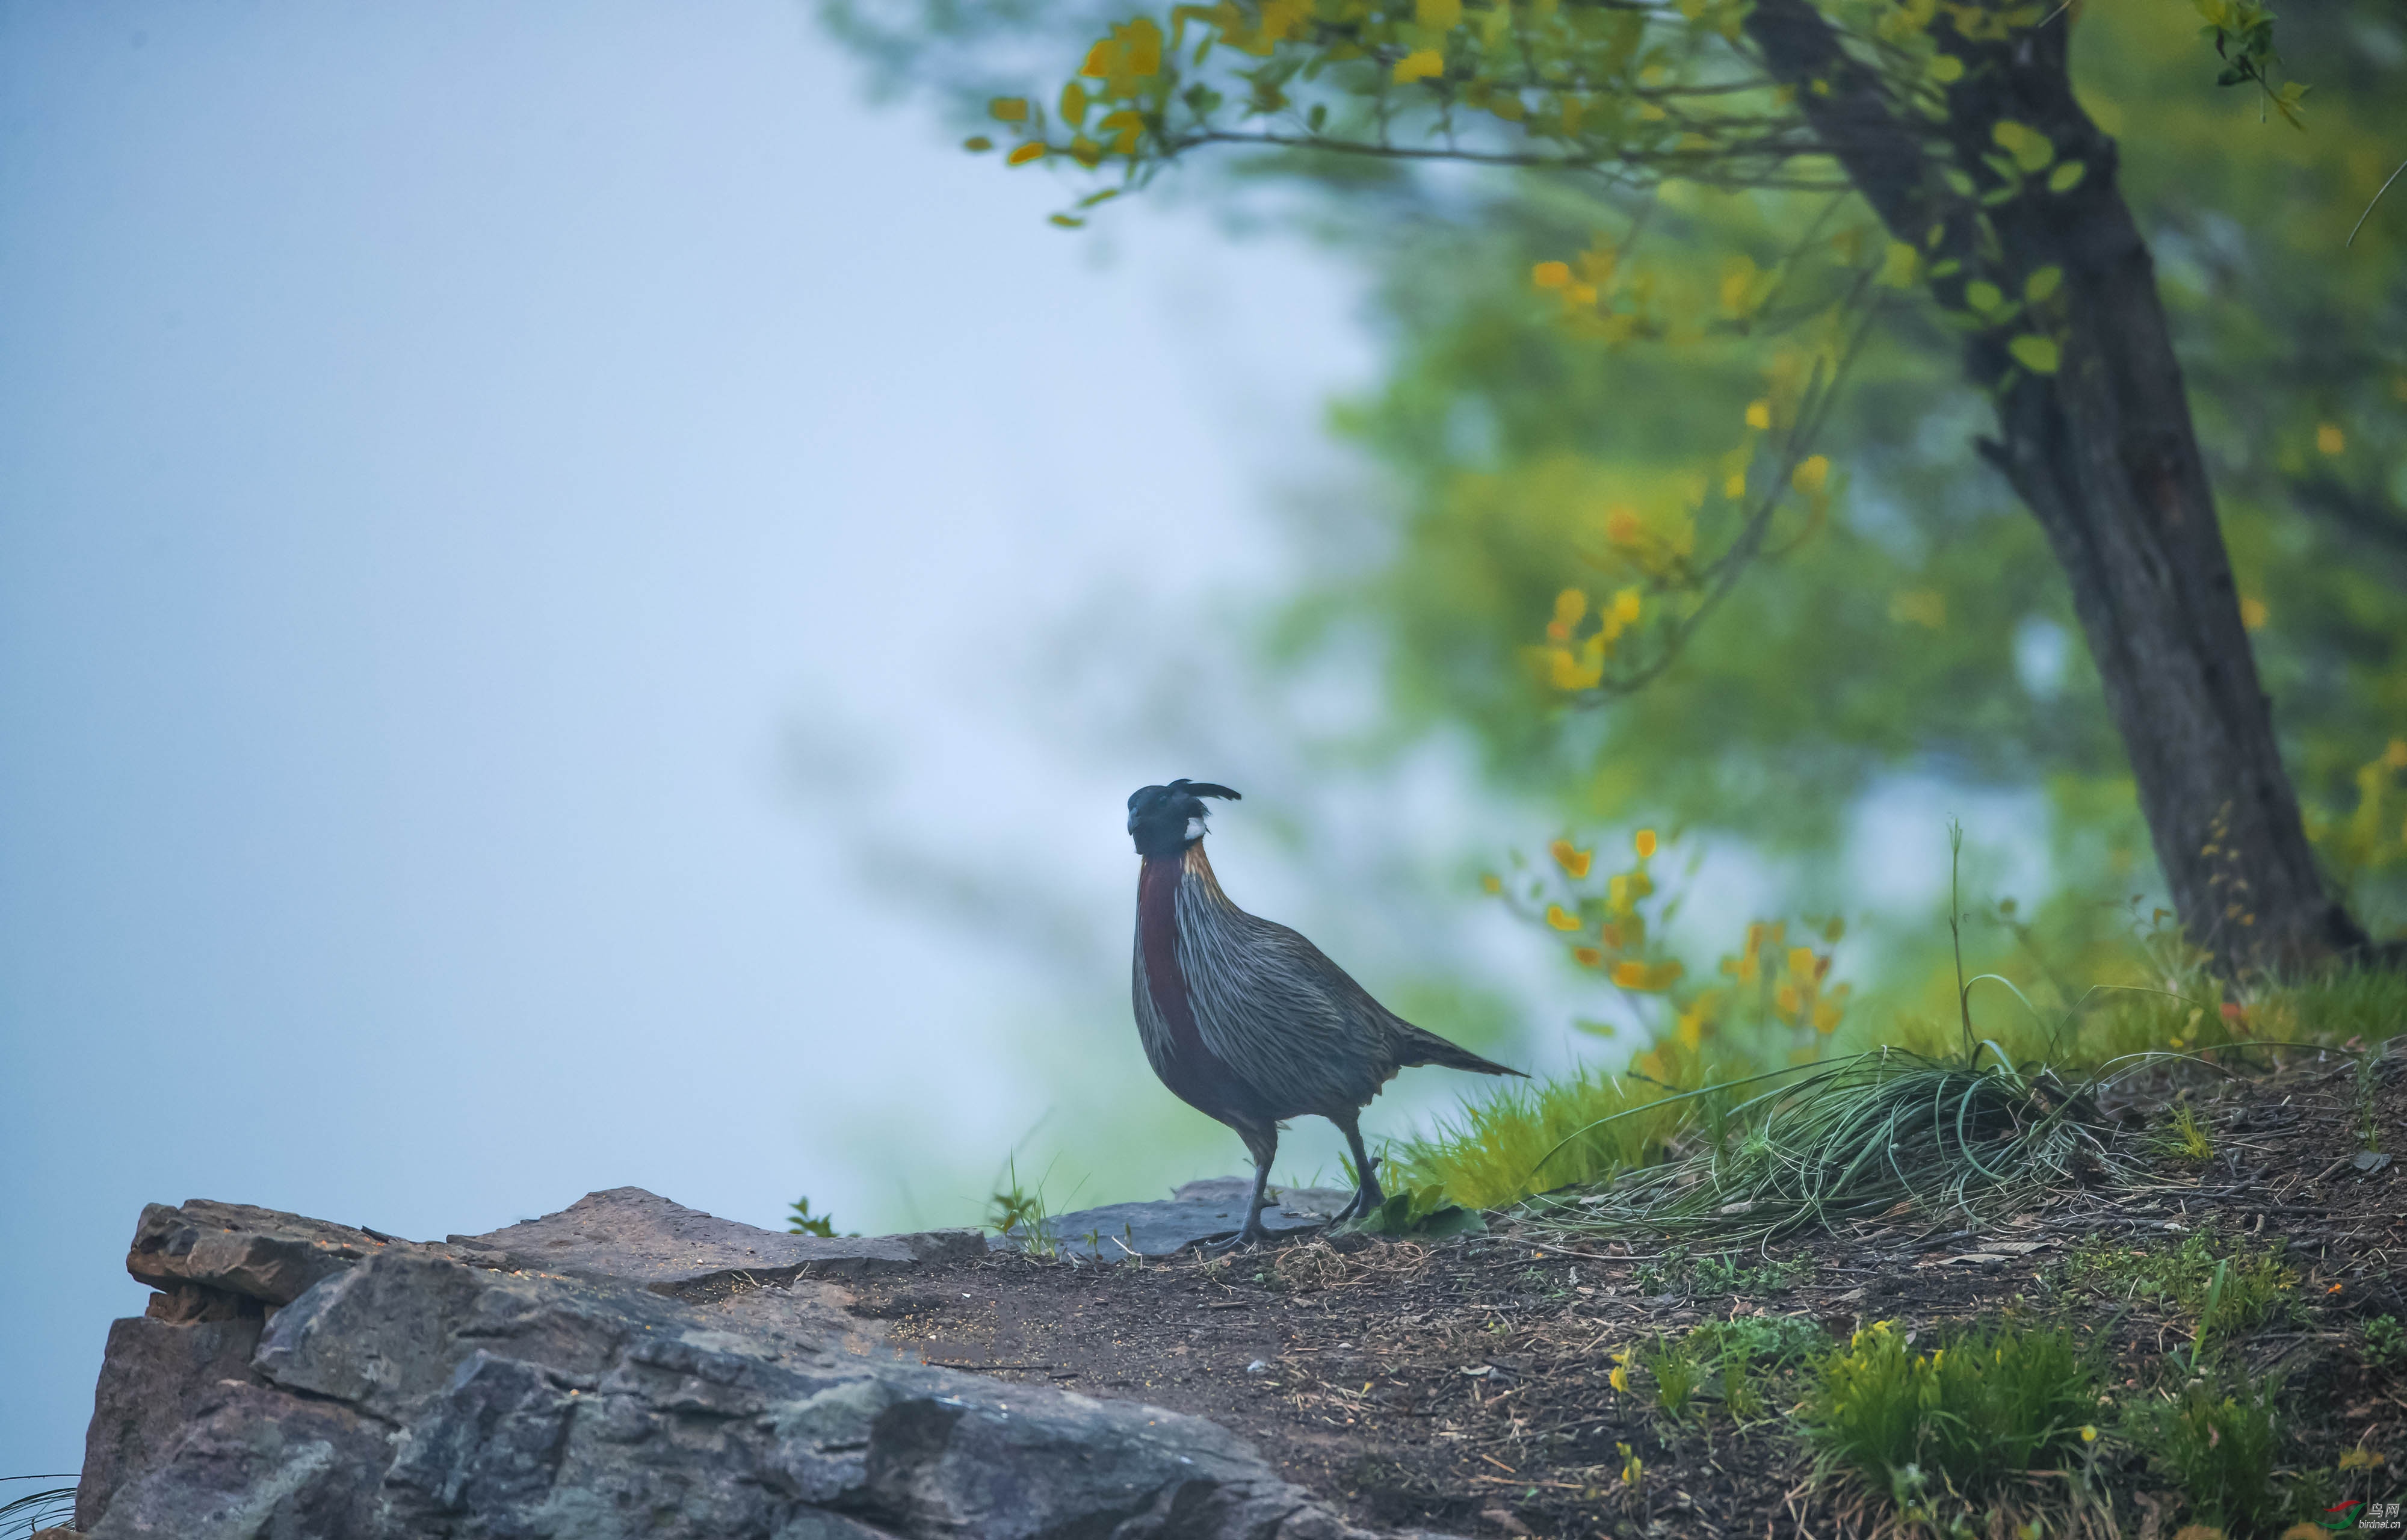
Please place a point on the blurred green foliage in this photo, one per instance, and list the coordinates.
(1923, 626)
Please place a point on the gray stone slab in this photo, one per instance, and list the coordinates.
(628, 1235)
(259, 1253)
(1205, 1210)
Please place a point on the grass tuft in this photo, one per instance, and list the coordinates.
(1974, 1416)
(1672, 1364)
(2218, 1442)
(1855, 1138)
(2186, 1138)
(1522, 1137)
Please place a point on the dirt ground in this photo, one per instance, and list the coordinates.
(1463, 1385)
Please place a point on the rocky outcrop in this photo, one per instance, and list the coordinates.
(629, 1235)
(627, 1367)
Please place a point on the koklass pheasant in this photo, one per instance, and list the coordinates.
(1245, 1021)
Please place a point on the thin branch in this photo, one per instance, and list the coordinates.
(2369, 207)
(1724, 571)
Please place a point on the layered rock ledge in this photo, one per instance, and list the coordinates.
(625, 1367)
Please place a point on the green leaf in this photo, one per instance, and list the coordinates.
(2043, 284)
(2035, 352)
(1984, 296)
(2065, 178)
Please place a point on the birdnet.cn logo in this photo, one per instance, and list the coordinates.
(2356, 1515)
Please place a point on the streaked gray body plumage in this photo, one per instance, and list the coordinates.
(1294, 1031)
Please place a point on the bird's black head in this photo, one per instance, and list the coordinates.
(1165, 819)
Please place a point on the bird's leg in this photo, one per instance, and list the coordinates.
(1367, 1195)
(1264, 1149)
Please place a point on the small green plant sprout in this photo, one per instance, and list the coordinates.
(2218, 1441)
(1740, 1398)
(1019, 1211)
(1971, 1417)
(802, 1221)
(1676, 1374)
(2185, 1137)
(2386, 1343)
(2368, 1080)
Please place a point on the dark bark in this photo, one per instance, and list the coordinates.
(2104, 455)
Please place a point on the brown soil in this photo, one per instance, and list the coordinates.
(1463, 1386)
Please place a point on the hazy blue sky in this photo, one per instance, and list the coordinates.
(471, 478)
(577, 606)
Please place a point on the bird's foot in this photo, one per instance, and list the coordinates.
(1366, 1197)
(1253, 1234)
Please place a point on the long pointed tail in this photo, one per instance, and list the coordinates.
(1418, 1046)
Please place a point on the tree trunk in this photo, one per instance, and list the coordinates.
(2103, 453)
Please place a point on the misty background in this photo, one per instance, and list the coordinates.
(577, 608)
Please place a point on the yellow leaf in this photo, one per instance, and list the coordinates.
(1492, 883)
(1801, 961)
(1561, 918)
(1571, 859)
(1621, 526)
(1074, 103)
(2030, 149)
(2329, 439)
(1625, 607)
(1419, 65)
(1632, 976)
(1022, 154)
(1922, 606)
(977, 144)
(1691, 1033)
(2253, 613)
(1786, 1000)
(1646, 843)
(1008, 110)
(1810, 474)
(1551, 274)
(1438, 15)
(1586, 957)
(2035, 352)
(1898, 265)
(1569, 605)
(1758, 414)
